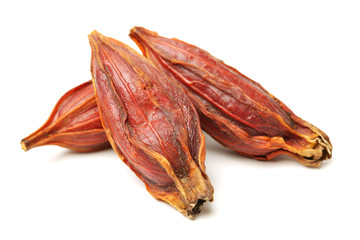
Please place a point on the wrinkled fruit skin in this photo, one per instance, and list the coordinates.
(235, 110)
(151, 125)
(74, 123)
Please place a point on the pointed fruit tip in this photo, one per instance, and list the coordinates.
(95, 35)
(140, 30)
(23, 146)
(94, 32)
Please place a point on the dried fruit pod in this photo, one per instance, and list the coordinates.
(235, 110)
(74, 123)
(151, 125)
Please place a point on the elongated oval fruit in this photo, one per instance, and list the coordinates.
(74, 123)
(235, 110)
(151, 124)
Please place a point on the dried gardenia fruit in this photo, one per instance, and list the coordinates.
(74, 123)
(236, 111)
(151, 124)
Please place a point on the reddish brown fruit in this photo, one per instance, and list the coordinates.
(151, 125)
(74, 123)
(235, 110)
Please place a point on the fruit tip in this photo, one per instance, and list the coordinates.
(94, 36)
(23, 146)
(94, 32)
(141, 30)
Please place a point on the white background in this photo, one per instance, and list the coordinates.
(306, 53)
